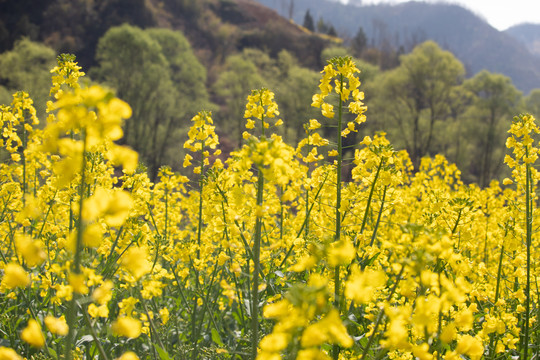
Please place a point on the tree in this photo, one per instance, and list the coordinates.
(322, 27)
(414, 97)
(239, 77)
(495, 99)
(294, 92)
(359, 42)
(27, 67)
(331, 30)
(308, 21)
(156, 72)
(532, 103)
(291, 9)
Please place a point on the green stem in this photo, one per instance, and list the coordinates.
(76, 267)
(198, 253)
(256, 269)
(381, 313)
(374, 235)
(370, 196)
(528, 212)
(457, 221)
(337, 280)
(492, 345)
(150, 321)
(304, 224)
(97, 341)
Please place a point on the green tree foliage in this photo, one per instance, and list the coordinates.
(413, 98)
(455, 136)
(495, 100)
(239, 76)
(333, 51)
(26, 67)
(293, 85)
(322, 26)
(308, 21)
(532, 103)
(157, 73)
(359, 42)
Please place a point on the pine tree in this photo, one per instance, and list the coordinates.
(308, 21)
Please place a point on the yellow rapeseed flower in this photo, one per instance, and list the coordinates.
(103, 294)
(15, 276)
(135, 262)
(129, 355)
(127, 326)
(31, 250)
(9, 354)
(57, 326)
(32, 334)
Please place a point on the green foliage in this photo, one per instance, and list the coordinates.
(359, 42)
(26, 67)
(495, 99)
(308, 21)
(156, 71)
(239, 76)
(413, 98)
(333, 51)
(294, 86)
(532, 103)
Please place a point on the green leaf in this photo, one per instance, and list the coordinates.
(216, 338)
(163, 355)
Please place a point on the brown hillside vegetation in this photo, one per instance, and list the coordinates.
(215, 28)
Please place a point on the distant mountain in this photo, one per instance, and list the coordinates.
(528, 34)
(476, 43)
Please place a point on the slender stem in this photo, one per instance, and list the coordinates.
(256, 269)
(381, 313)
(528, 212)
(370, 196)
(198, 253)
(150, 320)
(304, 224)
(374, 235)
(457, 221)
(257, 255)
(492, 345)
(97, 341)
(76, 267)
(337, 281)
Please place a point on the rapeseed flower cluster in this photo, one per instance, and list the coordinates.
(263, 254)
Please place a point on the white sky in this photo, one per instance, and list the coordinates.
(501, 14)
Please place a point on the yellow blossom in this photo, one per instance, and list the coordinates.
(32, 334)
(56, 326)
(129, 355)
(127, 326)
(274, 342)
(135, 261)
(8, 354)
(103, 294)
(31, 250)
(15, 276)
(361, 285)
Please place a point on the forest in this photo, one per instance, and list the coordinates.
(378, 206)
(422, 99)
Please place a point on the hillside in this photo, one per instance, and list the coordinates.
(215, 28)
(477, 44)
(528, 34)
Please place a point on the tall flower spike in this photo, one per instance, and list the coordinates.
(340, 75)
(261, 106)
(67, 72)
(202, 136)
